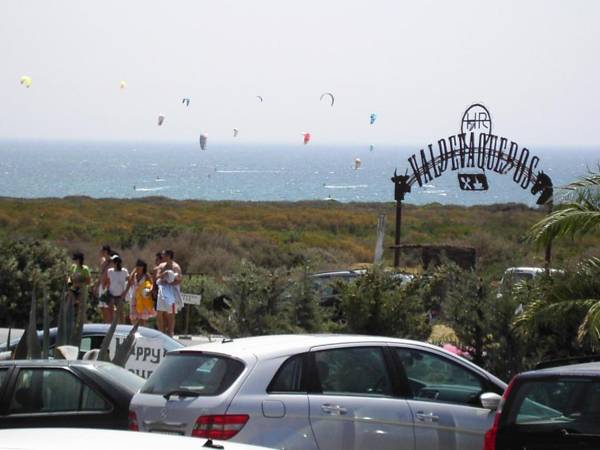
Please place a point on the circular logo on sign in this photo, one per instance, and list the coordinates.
(476, 119)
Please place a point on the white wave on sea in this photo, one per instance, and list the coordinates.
(248, 171)
(345, 186)
(143, 189)
(441, 192)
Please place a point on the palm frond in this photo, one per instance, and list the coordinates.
(586, 188)
(569, 220)
(590, 181)
(590, 327)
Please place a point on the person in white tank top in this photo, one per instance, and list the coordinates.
(116, 284)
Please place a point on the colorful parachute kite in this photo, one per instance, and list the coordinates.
(357, 163)
(122, 84)
(161, 119)
(25, 81)
(186, 101)
(306, 137)
(203, 140)
(235, 132)
(330, 95)
(260, 98)
(372, 118)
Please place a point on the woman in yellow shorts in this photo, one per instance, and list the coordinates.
(140, 284)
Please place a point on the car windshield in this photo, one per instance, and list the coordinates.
(200, 373)
(572, 403)
(121, 376)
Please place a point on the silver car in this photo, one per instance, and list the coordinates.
(327, 392)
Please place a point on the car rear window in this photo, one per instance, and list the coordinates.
(563, 403)
(201, 373)
(121, 376)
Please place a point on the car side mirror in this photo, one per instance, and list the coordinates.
(490, 400)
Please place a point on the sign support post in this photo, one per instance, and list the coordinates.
(402, 187)
(548, 250)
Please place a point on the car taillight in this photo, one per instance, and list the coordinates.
(220, 427)
(132, 422)
(489, 441)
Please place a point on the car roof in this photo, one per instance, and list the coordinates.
(268, 346)
(102, 328)
(95, 439)
(585, 369)
(524, 269)
(50, 363)
(90, 329)
(274, 346)
(337, 273)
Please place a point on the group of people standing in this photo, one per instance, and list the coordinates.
(149, 294)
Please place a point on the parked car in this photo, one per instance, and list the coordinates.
(59, 393)
(89, 439)
(326, 283)
(334, 392)
(514, 275)
(556, 408)
(149, 350)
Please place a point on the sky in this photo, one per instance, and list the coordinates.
(418, 64)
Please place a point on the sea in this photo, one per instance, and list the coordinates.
(252, 172)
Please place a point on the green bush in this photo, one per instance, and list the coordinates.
(376, 304)
(25, 266)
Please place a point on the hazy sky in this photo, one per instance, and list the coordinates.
(417, 64)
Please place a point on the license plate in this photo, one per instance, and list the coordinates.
(174, 433)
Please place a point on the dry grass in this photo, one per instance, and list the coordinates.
(213, 237)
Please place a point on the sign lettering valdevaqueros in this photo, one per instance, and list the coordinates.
(464, 151)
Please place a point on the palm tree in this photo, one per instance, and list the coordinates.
(571, 301)
(577, 215)
(566, 307)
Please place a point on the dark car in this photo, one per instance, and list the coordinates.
(59, 393)
(556, 408)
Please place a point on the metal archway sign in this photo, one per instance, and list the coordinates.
(476, 148)
(472, 153)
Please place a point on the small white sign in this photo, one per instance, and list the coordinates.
(191, 299)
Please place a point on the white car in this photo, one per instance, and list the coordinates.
(148, 351)
(91, 439)
(328, 392)
(514, 275)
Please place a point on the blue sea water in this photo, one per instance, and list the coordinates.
(33, 169)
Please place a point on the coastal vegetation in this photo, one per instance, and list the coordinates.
(213, 237)
(255, 258)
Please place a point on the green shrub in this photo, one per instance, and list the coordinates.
(25, 266)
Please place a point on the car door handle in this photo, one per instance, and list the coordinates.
(334, 410)
(427, 417)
